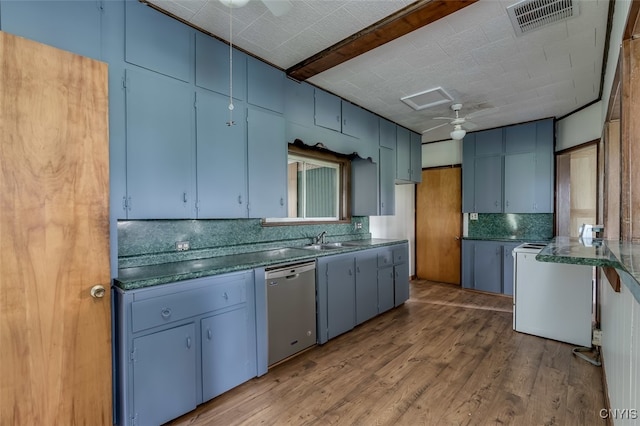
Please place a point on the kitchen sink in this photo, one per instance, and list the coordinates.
(327, 246)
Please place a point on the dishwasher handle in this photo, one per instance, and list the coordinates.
(289, 271)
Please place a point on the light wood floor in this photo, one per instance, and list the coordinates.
(446, 357)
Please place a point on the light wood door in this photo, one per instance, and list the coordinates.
(439, 225)
(55, 338)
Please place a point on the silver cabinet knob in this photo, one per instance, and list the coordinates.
(97, 291)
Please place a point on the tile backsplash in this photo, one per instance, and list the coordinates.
(149, 242)
(532, 226)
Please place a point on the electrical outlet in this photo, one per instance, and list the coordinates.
(182, 245)
(358, 225)
(473, 216)
(596, 339)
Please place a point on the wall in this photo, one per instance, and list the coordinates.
(582, 126)
(620, 323)
(445, 153)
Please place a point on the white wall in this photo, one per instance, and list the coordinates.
(583, 126)
(444, 153)
(402, 224)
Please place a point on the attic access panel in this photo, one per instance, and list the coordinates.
(427, 99)
(529, 15)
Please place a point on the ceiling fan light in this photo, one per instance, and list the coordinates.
(234, 3)
(457, 133)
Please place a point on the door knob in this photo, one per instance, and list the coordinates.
(97, 291)
(457, 238)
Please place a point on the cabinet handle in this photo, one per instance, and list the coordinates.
(507, 203)
(239, 199)
(165, 313)
(338, 118)
(358, 269)
(209, 334)
(226, 296)
(188, 342)
(350, 271)
(495, 203)
(184, 197)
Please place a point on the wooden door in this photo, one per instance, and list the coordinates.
(55, 338)
(439, 225)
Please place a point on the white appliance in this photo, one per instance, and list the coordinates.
(552, 300)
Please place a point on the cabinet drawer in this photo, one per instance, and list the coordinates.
(184, 304)
(399, 255)
(385, 258)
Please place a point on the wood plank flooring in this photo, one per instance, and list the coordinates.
(448, 356)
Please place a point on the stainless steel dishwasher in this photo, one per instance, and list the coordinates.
(291, 308)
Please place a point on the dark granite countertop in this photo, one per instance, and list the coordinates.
(621, 255)
(509, 239)
(150, 275)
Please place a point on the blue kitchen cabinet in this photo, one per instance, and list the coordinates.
(366, 285)
(181, 344)
(403, 154)
(353, 120)
(160, 147)
(416, 158)
(520, 138)
(401, 274)
(69, 25)
(489, 142)
(267, 164)
(341, 296)
(364, 187)
(158, 42)
(222, 158)
(387, 134)
(387, 175)
(487, 266)
(328, 110)
(519, 182)
(265, 85)
(468, 248)
(386, 292)
(544, 167)
(469, 173)
(361, 124)
(228, 351)
(212, 68)
(164, 375)
(507, 267)
(298, 102)
(488, 184)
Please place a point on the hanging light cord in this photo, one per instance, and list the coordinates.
(230, 122)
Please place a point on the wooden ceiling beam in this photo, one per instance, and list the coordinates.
(404, 21)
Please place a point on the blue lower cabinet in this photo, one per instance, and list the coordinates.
(341, 296)
(488, 266)
(401, 283)
(385, 289)
(366, 286)
(508, 268)
(164, 375)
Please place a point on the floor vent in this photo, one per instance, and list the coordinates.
(427, 99)
(529, 15)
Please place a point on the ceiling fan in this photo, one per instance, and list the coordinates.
(276, 7)
(460, 124)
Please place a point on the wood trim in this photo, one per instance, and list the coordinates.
(612, 277)
(578, 147)
(630, 29)
(406, 20)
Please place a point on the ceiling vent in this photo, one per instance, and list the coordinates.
(427, 99)
(529, 15)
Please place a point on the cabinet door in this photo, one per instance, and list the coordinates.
(328, 110)
(265, 85)
(157, 42)
(416, 158)
(403, 154)
(387, 181)
(267, 153)
(544, 167)
(298, 102)
(341, 296)
(401, 283)
(488, 184)
(519, 183)
(366, 286)
(489, 142)
(520, 138)
(212, 68)
(487, 266)
(160, 147)
(227, 357)
(352, 120)
(387, 134)
(222, 158)
(364, 188)
(386, 292)
(468, 173)
(164, 375)
(507, 267)
(468, 249)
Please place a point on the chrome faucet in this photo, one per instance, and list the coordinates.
(320, 238)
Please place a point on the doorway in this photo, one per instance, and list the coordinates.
(439, 225)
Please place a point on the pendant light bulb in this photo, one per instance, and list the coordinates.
(457, 133)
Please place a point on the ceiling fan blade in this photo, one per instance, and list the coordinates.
(433, 128)
(278, 7)
(443, 118)
(481, 112)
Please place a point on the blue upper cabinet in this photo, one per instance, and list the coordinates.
(387, 134)
(265, 85)
(160, 147)
(489, 142)
(403, 154)
(212, 67)
(544, 166)
(328, 110)
(267, 154)
(157, 42)
(68, 25)
(468, 173)
(416, 158)
(222, 158)
(298, 102)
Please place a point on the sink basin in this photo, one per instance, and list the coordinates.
(329, 246)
